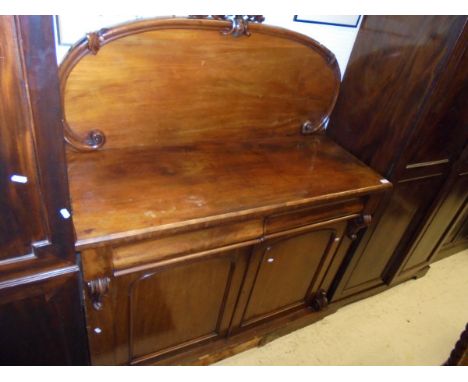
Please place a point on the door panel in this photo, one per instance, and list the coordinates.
(148, 314)
(399, 220)
(42, 323)
(288, 271)
(176, 305)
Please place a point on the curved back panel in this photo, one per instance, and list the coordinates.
(181, 81)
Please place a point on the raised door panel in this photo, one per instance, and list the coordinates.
(178, 305)
(153, 313)
(287, 272)
(22, 220)
(445, 224)
(398, 221)
(388, 79)
(442, 130)
(42, 322)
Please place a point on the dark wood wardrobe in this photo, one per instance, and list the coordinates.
(41, 315)
(401, 110)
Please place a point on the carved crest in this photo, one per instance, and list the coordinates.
(239, 23)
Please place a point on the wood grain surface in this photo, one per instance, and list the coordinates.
(180, 81)
(122, 194)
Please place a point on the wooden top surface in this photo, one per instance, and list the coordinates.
(127, 193)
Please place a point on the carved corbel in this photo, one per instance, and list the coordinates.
(98, 288)
(354, 226)
(320, 300)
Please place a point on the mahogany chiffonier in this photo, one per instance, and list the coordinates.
(198, 207)
(210, 210)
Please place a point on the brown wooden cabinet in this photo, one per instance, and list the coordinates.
(210, 210)
(145, 316)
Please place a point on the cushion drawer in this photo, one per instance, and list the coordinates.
(293, 219)
(187, 242)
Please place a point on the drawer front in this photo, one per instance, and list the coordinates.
(186, 243)
(306, 216)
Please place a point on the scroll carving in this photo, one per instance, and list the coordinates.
(320, 300)
(93, 139)
(98, 288)
(358, 224)
(239, 23)
(308, 127)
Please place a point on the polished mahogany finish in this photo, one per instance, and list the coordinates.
(396, 63)
(452, 209)
(288, 272)
(41, 317)
(402, 110)
(22, 219)
(208, 204)
(140, 193)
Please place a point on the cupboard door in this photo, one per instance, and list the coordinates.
(167, 308)
(288, 272)
(41, 321)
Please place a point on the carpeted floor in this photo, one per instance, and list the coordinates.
(415, 323)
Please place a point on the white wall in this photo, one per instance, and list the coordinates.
(338, 39)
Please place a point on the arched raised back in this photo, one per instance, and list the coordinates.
(180, 81)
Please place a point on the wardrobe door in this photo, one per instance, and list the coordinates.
(41, 316)
(401, 110)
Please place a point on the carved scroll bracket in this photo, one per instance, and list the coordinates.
(308, 127)
(91, 141)
(239, 23)
(94, 139)
(358, 224)
(98, 288)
